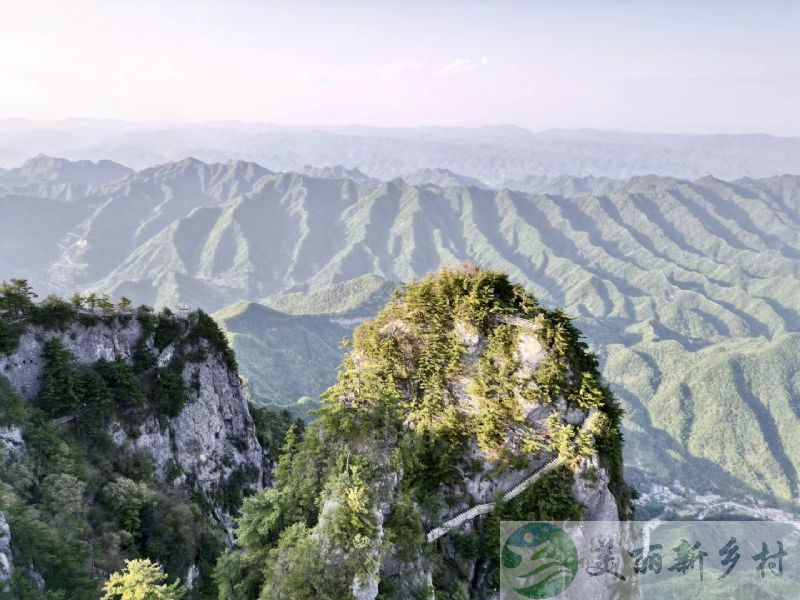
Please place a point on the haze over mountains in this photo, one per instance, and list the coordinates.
(495, 155)
(687, 289)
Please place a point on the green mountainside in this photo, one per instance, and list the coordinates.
(362, 296)
(129, 457)
(123, 435)
(459, 390)
(290, 346)
(677, 283)
(286, 359)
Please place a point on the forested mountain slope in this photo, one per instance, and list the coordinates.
(459, 390)
(123, 434)
(290, 346)
(676, 282)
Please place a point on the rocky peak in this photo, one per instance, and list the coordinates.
(124, 433)
(208, 443)
(462, 403)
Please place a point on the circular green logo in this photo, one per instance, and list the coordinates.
(538, 560)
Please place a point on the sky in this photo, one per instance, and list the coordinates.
(678, 67)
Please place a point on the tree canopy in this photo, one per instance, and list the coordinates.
(142, 580)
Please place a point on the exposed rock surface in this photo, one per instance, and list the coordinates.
(212, 439)
(591, 492)
(23, 368)
(11, 443)
(6, 558)
(482, 480)
(482, 486)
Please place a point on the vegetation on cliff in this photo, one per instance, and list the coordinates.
(79, 504)
(432, 395)
(390, 446)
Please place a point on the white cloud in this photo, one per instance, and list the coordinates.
(462, 65)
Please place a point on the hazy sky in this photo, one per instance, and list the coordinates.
(648, 66)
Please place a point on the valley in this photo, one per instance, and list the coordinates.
(686, 289)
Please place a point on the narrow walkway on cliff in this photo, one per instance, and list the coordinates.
(482, 509)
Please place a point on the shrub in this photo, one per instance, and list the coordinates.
(53, 313)
(168, 395)
(206, 328)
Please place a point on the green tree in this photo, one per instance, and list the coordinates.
(169, 394)
(60, 392)
(234, 581)
(204, 327)
(59, 559)
(54, 313)
(105, 304)
(13, 407)
(128, 499)
(297, 569)
(121, 380)
(92, 300)
(124, 303)
(9, 336)
(16, 297)
(77, 300)
(97, 407)
(142, 580)
(168, 328)
(63, 501)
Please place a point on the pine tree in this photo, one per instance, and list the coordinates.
(16, 297)
(61, 391)
(98, 405)
(124, 304)
(104, 304)
(92, 300)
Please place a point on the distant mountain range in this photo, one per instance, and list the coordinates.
(290, 346)
(687, 289)
(495, 155)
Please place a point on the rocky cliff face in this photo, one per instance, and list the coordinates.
(485, 477)
(23, 368)
(6, 556)
(462, 404)
(528, 353)
(211, 440)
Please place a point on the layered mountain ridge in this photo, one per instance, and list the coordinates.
(676, 282)
(492, 154)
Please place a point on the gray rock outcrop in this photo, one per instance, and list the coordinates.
(212, 439)
(23, 367)
(6, 558)
(11, 443)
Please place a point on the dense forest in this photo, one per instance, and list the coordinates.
(431, 398)
(78, 504)
(392, 445)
